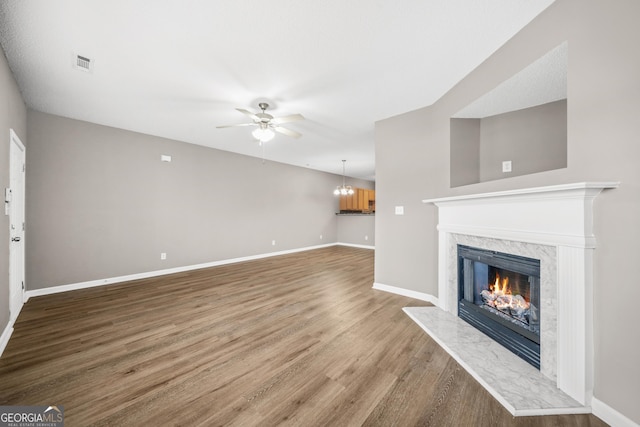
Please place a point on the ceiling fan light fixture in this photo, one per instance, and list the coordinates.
(263, 134)
(267, 124)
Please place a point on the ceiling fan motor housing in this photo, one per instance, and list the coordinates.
(264, 117)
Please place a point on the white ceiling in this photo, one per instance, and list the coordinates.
(545, 80)
(179, 68)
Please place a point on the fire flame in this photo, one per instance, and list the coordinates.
(500, 290)
(500, 296)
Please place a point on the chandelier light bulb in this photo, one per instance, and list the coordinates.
(342, 190)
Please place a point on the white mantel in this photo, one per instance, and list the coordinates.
(560, 216)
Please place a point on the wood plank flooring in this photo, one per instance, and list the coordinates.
(294, 340)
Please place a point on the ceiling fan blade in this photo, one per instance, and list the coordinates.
(287, 119)
(287, 132)
(233, 126)
(249, 113)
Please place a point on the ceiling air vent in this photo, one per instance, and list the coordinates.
(83, 63)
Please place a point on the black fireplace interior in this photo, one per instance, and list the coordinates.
(499, 294)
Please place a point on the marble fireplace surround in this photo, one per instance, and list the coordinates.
(553, 224)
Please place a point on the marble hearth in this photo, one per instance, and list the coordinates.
(519, 387)
(553, 224)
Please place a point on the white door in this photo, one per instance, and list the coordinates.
(16, 224)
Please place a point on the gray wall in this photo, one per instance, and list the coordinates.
(534, 139)
(357, 229)
(101, 204)
(412, 152)
(13, 115)
(465, 151)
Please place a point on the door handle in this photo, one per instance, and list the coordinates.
(15, 239)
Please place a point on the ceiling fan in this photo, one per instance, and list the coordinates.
(267, 123)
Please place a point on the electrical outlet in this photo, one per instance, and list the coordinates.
(273, 243)
(163, 255)
(366, 237)
(506, 166)
(399, 210)
(321, 237)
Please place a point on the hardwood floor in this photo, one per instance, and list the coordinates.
(299, 340)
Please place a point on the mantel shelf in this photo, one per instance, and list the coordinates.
(528, 191)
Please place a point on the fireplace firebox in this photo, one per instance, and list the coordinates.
(499, 294)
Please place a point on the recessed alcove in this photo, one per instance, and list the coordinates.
(522, 121)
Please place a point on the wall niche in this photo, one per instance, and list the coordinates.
(522, 121)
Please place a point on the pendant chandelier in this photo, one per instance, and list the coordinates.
(343, 190)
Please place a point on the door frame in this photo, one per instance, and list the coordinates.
(16, 252)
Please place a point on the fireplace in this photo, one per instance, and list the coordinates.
(499, 294)
(555, 225)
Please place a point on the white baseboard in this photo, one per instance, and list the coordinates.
(8, 329)
(112, 280)
(6, 334)
(406, 293)
(609, 415)
(353, 245)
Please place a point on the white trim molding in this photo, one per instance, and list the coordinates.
(353, 245)
(406, 293)
(609, 415)
(6, 334)
(560, 216)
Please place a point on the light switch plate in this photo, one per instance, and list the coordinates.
(399, 210)
(506, 166)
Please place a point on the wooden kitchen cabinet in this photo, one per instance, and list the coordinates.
(361, 201)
